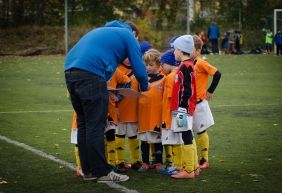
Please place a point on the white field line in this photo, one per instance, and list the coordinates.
(62, 162)
(42, 111)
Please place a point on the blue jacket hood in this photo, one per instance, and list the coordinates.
(116, 23)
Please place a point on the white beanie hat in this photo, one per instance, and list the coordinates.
(185, 43)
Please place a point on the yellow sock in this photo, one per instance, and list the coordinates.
(77, 158)
(196, 162)
(188, 157)
(133, 145)
(111, 152)
(168, 153)
(120, 152)
(177, 156)
(203, 142)
(152, 153)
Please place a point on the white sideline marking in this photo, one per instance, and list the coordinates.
(43, 111)
(62, 162)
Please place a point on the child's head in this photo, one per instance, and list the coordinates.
(183, 47)
(152, 61)
(168, 61)
(198, 46)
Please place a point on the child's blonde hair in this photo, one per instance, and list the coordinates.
(152, 55)
(197, 42)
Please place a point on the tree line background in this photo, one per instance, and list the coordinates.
(157, 19)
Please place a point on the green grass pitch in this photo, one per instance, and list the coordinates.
(245, 143)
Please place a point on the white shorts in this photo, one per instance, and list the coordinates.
(202, 118)
(128, 129)
(150, 137)
(110, 126)
(171, 138)
(74, 136)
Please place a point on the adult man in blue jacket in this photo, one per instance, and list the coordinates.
(213, 34)
(88, 65)
(278, 42)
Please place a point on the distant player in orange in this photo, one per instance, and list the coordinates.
(149, 112)
(202, 118)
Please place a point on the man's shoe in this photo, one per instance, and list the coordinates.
(183, 174)
(89, 177)
(113, 177)
(204, 164)
(144, 168)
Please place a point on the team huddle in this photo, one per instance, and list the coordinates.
(166, 119)
(161, 122)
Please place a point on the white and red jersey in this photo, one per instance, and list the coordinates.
(184, 88)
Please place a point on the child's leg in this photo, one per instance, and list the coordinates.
(120, 151)
(203, 142)
(145, 151)
(188, 151)
(158, 153)
(168, 153)
(133, 143)
(177, 157)
(152, 154)
(196, 163)
(187, 157)
(111, 147)
(77, 161)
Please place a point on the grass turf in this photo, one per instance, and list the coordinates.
(245, 143)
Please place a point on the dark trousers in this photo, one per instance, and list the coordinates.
(214, 45)
(89, 97)
(279, 49)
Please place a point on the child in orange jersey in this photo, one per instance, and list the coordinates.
(117, 79)
(202, 118)
(183, 103)
(127, 116)
(149, 112)
(127, 126)
(171, 141)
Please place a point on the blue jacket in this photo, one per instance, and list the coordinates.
(102, 49)
(213, 32)
(278, 38)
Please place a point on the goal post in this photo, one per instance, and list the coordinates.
(275, 22)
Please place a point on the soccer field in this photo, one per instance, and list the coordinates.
(245, 142)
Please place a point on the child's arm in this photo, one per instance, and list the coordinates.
(214, 83)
